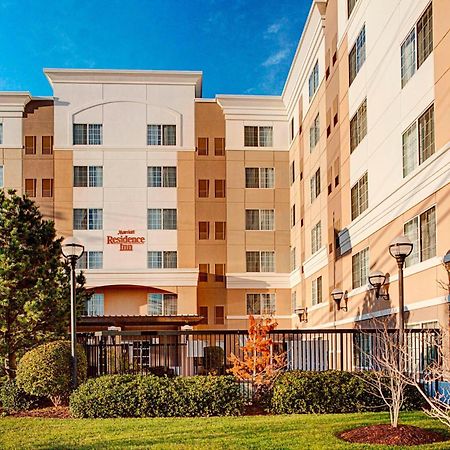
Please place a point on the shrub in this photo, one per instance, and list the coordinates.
(46, 371)
(213, 359)
(13, 398)
(328, 392)
(151, 396)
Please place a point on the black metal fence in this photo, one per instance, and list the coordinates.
(188, 353)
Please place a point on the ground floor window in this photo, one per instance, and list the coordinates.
(95, 306)
(258, 304)
(162, 304)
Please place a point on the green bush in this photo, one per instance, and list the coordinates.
(152, 396)
(13, 398)
(45, 371)
(329, 392)
(213, 359)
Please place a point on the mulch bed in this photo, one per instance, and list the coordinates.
(387, 435)
(53, 412)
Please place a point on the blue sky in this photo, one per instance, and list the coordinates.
(242, 47)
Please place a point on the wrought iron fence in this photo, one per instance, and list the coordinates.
(186, 353)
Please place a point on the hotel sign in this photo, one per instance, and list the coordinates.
(124, 240)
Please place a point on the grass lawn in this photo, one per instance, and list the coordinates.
(251, 432)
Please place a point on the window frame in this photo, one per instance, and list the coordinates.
(164, 306)
(358, 52)
(162, 137)
(254, 136)
(361, 279)
(359, 204)
(259, 298)
(358, 126)
(317, 291)
(316, 237)
(260, 260)
(86, 135)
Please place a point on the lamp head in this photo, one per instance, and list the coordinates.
(400, 248)
(72, 248)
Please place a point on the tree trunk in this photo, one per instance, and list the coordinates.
(11, 365)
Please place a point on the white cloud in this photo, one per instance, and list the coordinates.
(276, 58)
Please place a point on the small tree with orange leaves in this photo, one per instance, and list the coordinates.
(260, 365)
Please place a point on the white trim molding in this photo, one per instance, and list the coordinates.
(316, 262)
(276, 316)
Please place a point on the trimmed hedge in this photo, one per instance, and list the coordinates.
(330, 392)
(152, 396)
(45, 371)
(13, 398)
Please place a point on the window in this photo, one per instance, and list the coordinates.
(203, 230)
(417, 46)
(316, 238)
(260, 261)
(87, 219)
(360, 268)
(418, 141)
(161, 134)
(316, 291)
(88, 176)
(219, 231)
(219, 146)
(95, 305)
(47, 145)
(30, 187)
(203, 270)
(219, 273)
(1, 133)
(202, 146)
(350, 5)
(87, 134)
(293, 259)
(203, 310)
(291, 129)
(47, 187)
(315, 185)
(293, 301)
(360, 196)
(203, 188)
(90, 260)
(162, 304)
(357, 55)
(258, 304)
(162, 219)
(162, 259)
(219, 188)
(314, 133)
(258, 136)
(219, 315)
(421, 230)
(161, 176)
(1, 177)
(293, 216)
(30, 145)
(313, 82)
(358, 126)
(259, 177)
(292, 172)
(259, 219)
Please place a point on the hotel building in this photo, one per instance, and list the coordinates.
(199, 212)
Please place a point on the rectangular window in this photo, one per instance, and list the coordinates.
(316, 291)
(1, 134)
(95, 305)
(154, 260)
(154, 176)
(161, 134)
(421, 230)
(360, 196)
(161, 176)
(219, 146)
(95, 134)
(219, 231)
(203, 270)
(293, 216)
(263, 177)
(1, 177)
(169, 219)
(80, 219)
(357, 55)
(358, 126)
(291, 129)
(219, 315)
(162, 259)
(162, 304)
(30, 145)
(418, 141)
(162, 219)
(408, 57)
(350, 5)
(219, 273)
(80, 176)
(316, 238)
(47, 145)
(87, 134)
(203, 311)
(203, 230)
(360, 268)
(30, 187)
(79, 134)
(95, 219)
(95, 176)
(425, 35)
(88, 176)
(87, 219)
(259, 219)
(260, 261)
(293, 258)
(267, 261)
(219, 188)
(202, 146)
(292, 172)
(315, 185)
(313, 82)
(258, 304)
(47, 187)
(258, 136)
(314, 133)
(203, 188)
(95, 260)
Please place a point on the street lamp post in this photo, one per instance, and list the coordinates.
(400, 248)
(73, 251)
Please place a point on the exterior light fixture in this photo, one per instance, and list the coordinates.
(73, 250)
(338, 295)
(302, 313)
(446, 261)
(377, 280)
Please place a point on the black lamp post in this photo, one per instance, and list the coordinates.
(338, 295)
(400, 248)
(377, 280)
(73, 251)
